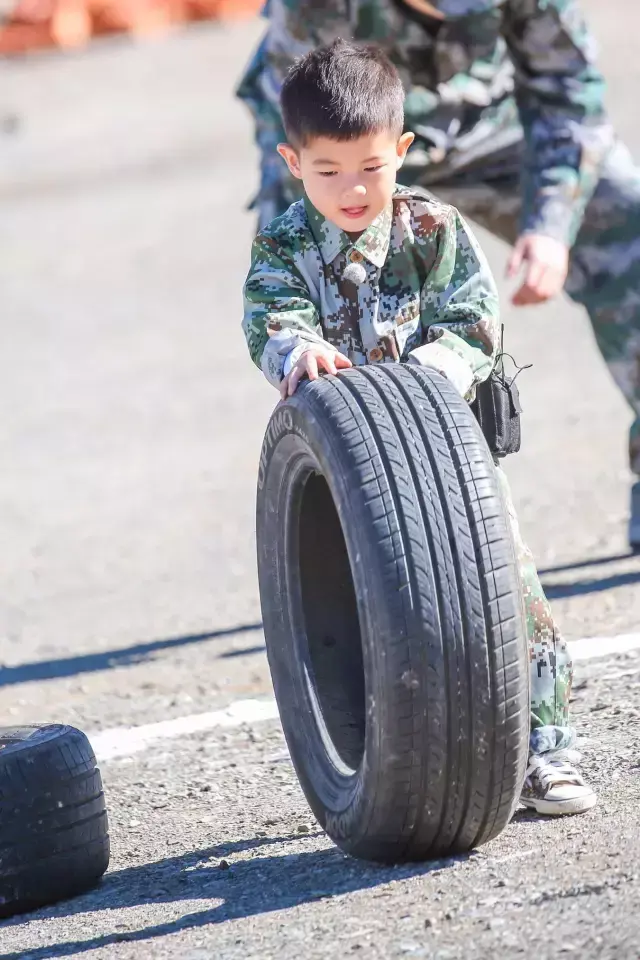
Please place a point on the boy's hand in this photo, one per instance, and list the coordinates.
(314, 358)
(546, 263)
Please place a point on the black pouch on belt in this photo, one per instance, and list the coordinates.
(497, 409)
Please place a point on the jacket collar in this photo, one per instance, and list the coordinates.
(373, 243)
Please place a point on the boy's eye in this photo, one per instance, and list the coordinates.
(327, 173)
(375, 169)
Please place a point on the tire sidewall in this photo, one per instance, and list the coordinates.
(296, 443)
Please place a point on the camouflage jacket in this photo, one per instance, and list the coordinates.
(414, 286)
(468, 80)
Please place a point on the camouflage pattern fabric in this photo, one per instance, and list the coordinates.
(422, 280)
(506, 103)
(550, 661)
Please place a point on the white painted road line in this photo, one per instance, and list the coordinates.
(124, 741)
(590, 648)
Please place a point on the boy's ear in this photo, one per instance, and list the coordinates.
(290, 157)
(403, 145)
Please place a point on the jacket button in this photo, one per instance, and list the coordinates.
(356, 257)
(375, 355)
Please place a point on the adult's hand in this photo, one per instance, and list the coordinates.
(545, 263)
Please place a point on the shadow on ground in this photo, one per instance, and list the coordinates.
(243, 652)
(577, 588)
(107, 659)
(582, 564)
(247, 888)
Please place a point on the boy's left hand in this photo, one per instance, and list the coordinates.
(546, 263)
(309, 363)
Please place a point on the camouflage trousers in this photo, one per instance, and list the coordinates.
(551, 669)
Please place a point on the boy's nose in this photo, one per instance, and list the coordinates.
(356, 191)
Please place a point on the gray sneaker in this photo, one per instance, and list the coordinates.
(634, 520)
(554, 787)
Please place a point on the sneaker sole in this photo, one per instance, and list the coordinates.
(560, 808)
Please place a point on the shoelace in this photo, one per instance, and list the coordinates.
(555, 767)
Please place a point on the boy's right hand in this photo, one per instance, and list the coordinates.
(312, 360)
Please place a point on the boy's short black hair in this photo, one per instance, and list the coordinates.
(342, 91)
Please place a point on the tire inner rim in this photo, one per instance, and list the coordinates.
(334, 662)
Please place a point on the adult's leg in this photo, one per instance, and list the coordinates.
(604, 277)
(278, 189)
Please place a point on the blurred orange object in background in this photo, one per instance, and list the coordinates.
(36, 24)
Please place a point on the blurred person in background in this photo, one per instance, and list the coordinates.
(506, 102)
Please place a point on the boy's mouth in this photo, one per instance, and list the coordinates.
(354, 213)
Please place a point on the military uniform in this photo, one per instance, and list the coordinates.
(422, 293)
(506, 103)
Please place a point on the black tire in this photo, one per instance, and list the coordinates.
(54, 835)
(393, 613)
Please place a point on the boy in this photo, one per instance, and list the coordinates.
(361, 271)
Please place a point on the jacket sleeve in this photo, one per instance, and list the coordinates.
(459, 309)
(559, 92)
(279, 315)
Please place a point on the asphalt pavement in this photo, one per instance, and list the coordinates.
(131, 425)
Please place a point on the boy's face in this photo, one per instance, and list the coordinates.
(349, 181)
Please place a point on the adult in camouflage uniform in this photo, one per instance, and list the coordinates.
(506, 103)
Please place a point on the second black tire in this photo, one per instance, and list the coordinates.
(393, 613)
(54, 839)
